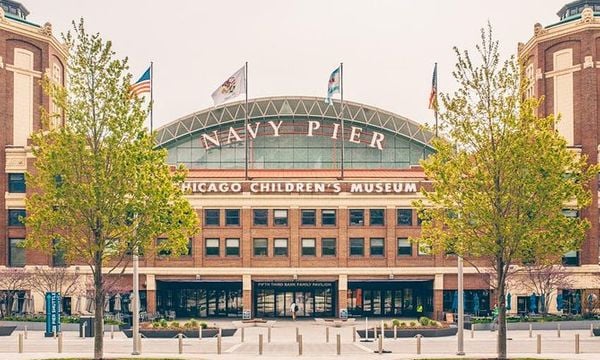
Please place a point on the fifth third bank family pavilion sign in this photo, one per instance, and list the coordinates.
(265, 187)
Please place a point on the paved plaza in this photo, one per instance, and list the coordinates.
(283, 345)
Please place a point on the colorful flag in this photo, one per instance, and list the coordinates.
(232, 87)
(333, 85)
(143, 85)
(433, 103)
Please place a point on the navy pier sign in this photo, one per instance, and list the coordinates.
(53, 301)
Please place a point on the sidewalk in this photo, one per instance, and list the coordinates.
(283, 345)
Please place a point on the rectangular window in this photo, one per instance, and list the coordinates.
(58, 254)
(280, 247)
(260, 217)
(376, 248)
(377, 217)
(16, 183)
(232, 217)
(16, 254)
(260, 247)
(357, 246)
(404, 217)
(328, 217)
(357, 217)
(404, 247)
(571, 258)
(232, 247)
(309, 217)
(212, 247)
(280, 217)
(309, 247)
(16, 217)
(211, 217)
(328, 247)
(424, 249)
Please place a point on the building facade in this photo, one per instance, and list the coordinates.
(298, 206)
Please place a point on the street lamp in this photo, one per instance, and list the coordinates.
(461, 309)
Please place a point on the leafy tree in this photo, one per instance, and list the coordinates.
(502, 175)
(99, 186)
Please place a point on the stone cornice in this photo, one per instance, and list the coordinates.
(547, 34)
(43, 33)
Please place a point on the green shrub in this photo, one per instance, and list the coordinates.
(164, 323)
(433, 323)
(413, 324)
(402, 324)
(175, 324)
(203, 325)
(396, 322)
(193, 323)
(156, 324)
(424, 321)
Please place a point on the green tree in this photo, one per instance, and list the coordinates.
(100, 188)
(502, 175)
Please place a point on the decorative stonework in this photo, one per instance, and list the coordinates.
(520, 47)
(587, 16)
(539, 75)
(2, 17)
(538, 29)
(588, 62)
(46, 29)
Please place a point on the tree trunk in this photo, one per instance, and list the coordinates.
(501, 300)
(99, 313)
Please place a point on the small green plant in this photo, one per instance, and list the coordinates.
(433, 323)
(193, 323)
(164, 323)
(175, 324)
(203, 325)
(424, 321)
(396, 322)
(402, 324)
(413, 324)
(156, 324)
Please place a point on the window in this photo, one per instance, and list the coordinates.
(376, 247)
(309, 217)
(357, 217)
(328, 247)
(309, 247)
(232, 247)
(211, 217)
(328, 217)
(377, 216)
(404, 217)
(16, 254)
(571, 258)
(212, 247)
(16, 183)
(58, 253)
(167, 252)
(260, 247)
(280, 247)
(357, 247)
(280, 217)
(260, 217)
(15, 216)
(424, 249)
(232, 217)
(404, 247)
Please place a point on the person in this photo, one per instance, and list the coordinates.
(294, 310)
(494, 318)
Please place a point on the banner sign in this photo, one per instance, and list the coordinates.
(265, 187)
(292, 284)
(53, 302)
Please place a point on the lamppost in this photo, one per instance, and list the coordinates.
(461, 309)
(136, 304)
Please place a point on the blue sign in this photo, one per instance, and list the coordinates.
(53, 302)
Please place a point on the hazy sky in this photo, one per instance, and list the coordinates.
(388, 47)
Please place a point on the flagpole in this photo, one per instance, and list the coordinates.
(246, 121)
(342, 113)
(435, 108)
(151, 94)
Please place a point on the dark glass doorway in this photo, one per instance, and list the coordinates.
(390, 298)
(199, 299)
(274, 299)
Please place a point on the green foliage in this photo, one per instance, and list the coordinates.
(164, 323)
(395, 322)
(156, 324)
(412, 324)
(402, 324)
(203, 325)
(175, 324)
(424, 321)
(502, 175)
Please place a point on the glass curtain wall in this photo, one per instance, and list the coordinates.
(200, 299)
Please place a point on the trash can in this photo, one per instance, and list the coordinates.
(86, 326)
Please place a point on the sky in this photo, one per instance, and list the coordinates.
(388, 47)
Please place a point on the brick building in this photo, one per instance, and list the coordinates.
(295, 226)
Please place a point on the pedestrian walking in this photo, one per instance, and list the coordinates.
(294, 310)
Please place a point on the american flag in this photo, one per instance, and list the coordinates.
(433, 103)
(143, 85)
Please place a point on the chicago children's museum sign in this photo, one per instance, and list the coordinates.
(216, 139)
(258, 187)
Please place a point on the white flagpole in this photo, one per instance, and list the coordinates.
(342, 113)
(246, 122)
(151, 94)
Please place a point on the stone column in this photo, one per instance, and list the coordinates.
(438, 297)
(247, 293)
(342, 292)
(150, 293)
